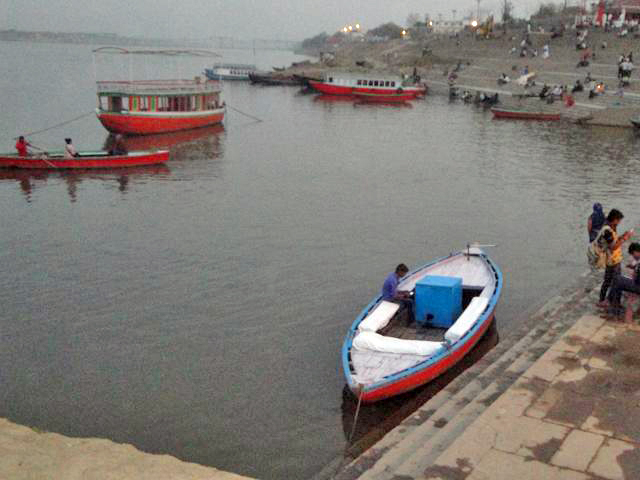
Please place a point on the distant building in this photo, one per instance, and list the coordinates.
(447, 26)
(631, 9)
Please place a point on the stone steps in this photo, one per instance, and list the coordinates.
(412, 446)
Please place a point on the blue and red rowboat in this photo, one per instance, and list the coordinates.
(521, 114)
(86, 160)
(386, 353)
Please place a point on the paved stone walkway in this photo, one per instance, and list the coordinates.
(29, 455)
(573, 415)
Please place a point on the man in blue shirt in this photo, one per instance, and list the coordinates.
(390, 286)
(390, 290)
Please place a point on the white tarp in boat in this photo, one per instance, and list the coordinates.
(379, 343)
(465, 321)
(379, 317)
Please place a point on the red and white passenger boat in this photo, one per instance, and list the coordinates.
(144, 107)
(157, 106)
(369, 84)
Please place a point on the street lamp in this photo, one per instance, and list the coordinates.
(357, 26)
(350, 28)
(404, 32)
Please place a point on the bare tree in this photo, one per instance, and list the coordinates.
(507, 11)
(413, 19)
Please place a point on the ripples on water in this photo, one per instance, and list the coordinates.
(199, 309)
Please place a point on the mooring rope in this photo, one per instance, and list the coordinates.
(244, 113)
(58, 124)
(355, 417)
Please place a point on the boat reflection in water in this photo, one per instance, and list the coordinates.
(377, 419)
(165, 140)
(30, 180)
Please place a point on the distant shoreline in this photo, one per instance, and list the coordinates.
(84, 38)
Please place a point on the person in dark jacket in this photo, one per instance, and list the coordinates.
(595, 222)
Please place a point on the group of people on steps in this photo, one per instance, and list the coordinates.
(621, 275)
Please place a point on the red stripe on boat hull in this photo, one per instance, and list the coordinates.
(370, 98)
(331, 89)
(106, 161)
(132, 124)
(424, 376)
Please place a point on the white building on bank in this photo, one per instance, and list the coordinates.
(447, 26)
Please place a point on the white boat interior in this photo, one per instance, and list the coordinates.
(391, 338)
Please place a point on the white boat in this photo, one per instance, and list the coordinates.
(230, 71)
(386, 352)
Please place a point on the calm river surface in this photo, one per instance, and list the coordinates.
(199, 309)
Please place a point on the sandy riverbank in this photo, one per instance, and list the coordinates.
(27, 454)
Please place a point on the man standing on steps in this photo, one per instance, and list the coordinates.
(612, 244)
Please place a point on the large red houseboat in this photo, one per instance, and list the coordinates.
(144, 107)
(369, 83)
(156, 106)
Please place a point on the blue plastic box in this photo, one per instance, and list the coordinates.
(438, 300)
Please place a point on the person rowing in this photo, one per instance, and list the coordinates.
(21, 147)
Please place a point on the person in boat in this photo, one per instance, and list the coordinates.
(390, 291)
(118, 148)
(627, 282)
(611, 243)
(21, 147)
(69, 150)
(595, 222)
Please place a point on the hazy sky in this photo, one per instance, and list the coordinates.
(278, 19)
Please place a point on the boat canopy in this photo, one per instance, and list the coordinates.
(158, 87)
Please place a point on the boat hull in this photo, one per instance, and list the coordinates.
(332, 89)
(524, 115)
(148, 123)
(274, 80)
(84, 162)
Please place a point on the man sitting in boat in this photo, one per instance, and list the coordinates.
(390, 289)
(69, 150)
(118, 147)
(21, 147)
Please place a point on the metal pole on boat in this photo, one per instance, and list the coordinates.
(130, 76)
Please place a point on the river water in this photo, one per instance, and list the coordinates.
(199, 309)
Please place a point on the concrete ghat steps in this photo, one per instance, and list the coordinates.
(412, 446)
